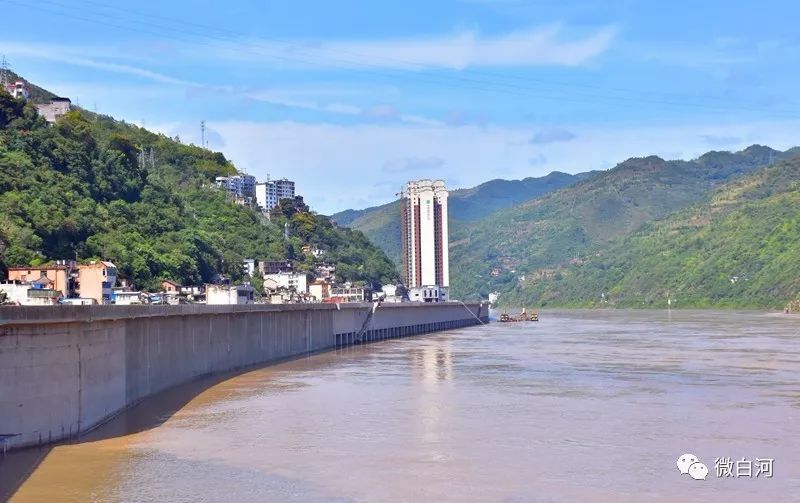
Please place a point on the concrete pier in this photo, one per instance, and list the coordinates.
(66, 369)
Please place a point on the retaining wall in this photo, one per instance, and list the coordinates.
(66, 369)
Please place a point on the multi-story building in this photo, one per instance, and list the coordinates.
(18, 89)
(294, 281)
(96, 280)
(266, 195)
(284, 189)
(238, 186)
(320, 290)
(56, 108)
(425, 256)
(274, 266)
(57, 276)
(270, 193)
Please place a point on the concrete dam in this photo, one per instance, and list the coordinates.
(64, 370)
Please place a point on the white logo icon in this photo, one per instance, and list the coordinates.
(688, 464)
(685, 461)
(698, 471)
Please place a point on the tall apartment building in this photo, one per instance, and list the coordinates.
(425, 257)
(269, 193)
(238, 185)
(284, 188)
(266, 195)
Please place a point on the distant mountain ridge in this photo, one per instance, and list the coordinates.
(501, 251)
(738, 247)
(382, 223)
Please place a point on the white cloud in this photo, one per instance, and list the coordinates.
(339, 166)
(73, 56)
(537, 46)
(370, 112)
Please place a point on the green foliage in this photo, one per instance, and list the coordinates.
(89, 187)
(510, 248)
(736, 248)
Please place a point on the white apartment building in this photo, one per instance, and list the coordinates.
(266, 195)
(18, 90)
(269, 193)
(425, 256)
(290, 280)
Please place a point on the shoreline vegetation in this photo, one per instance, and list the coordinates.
(89, 187)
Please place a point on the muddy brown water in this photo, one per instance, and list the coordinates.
(582, 406)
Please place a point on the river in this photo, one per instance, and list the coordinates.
(591, 406)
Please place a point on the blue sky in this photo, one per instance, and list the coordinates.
(352, 98)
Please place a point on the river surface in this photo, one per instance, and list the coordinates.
(583, 406)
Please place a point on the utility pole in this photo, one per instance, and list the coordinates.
(203, 134)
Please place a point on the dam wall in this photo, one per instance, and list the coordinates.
(66, 369)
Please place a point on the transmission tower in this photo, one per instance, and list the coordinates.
(3, 71)
(203, 134)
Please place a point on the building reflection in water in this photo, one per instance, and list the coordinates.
(432, 366)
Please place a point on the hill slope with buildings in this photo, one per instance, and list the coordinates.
(91, 187)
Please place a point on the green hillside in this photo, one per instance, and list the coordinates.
(511, 246)
(738, 248)
(80, 189)
(37, 94)
(382, 223)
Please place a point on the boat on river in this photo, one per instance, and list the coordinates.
(523, 316)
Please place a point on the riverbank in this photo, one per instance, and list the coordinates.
(67, 369)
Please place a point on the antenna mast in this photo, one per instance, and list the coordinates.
(203, 134)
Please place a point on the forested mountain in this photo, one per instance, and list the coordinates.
(81, 188)
(382, 223)
(739, 247)
(513, 247)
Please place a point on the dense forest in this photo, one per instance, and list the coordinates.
(736, 248)
(93, 187)
(513, 248)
